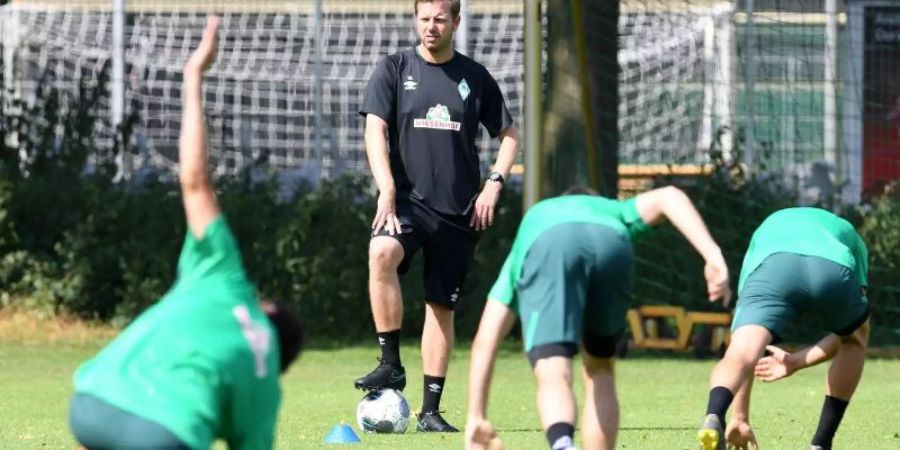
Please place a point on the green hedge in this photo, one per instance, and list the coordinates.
(83, 245)
(77, 243)
(88, 247)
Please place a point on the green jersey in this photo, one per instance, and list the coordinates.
(620, 215)
(204, 361)
(811, 232)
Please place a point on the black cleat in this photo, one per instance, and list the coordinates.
(433, 422)
(385, 376)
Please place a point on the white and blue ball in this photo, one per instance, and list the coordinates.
(383, 411)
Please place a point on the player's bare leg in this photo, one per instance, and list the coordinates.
(747, 345)
(385, 255)
(840, 384)
(600, 418)
(437, 343)
(555, 399)
(437, 340)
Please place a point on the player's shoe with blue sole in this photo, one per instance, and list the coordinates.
(385, 376)
(711, 435)
(433, 422)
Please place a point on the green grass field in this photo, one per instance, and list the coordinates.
(662, 400)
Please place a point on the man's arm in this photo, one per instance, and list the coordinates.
(197, 193)
(377, 151)
(496, 321)
(671, 203)
(782, 364)
(506, 156)
(486, 203)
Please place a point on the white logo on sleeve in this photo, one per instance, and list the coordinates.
(463, 89)
(454, 296)
(257, 336)
(409, 84)
(437, 118)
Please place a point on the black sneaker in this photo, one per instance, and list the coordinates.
(385, 376)
(433, 422)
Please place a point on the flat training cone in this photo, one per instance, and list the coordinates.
(341, 434)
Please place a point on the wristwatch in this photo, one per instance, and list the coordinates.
(495, 176)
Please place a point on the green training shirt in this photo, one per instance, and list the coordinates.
(620, 215)
(204, 361)
(807, 231)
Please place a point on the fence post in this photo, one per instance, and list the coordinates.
(117, 78)
(749, 81)
(831, 132)
(318, 91)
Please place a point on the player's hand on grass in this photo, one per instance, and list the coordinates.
(205, 53)
(739, 436)
(386, 215)
(774, 367)
(481, 435)
(483, 215)
(716, 273)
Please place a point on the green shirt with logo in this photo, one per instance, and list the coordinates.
(620, 215)
(807, 231)
(204, 361)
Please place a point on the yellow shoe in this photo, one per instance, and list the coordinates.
(710, 434)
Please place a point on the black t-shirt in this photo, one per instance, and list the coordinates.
(433, 112)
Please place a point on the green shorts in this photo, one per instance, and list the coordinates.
(576, 282)
(97, 424)
(786, 285)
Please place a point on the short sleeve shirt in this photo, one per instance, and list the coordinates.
(620, 215)
(433, 112)
(807, 231)
(204, 361)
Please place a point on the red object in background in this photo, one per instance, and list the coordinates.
(881, 155)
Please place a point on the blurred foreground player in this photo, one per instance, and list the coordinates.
(204, 362)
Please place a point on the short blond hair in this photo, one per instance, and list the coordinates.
(454, 6)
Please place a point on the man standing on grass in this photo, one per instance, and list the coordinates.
(569, 277)
(423, 107)
(203, 363)
(799, 259)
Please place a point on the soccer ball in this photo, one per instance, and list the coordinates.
(384, 411)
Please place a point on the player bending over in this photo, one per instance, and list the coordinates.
(800, 259)
(569, 277)
(203, 363)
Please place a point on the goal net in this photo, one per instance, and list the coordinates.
(283, 94)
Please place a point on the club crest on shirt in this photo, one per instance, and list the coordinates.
(409, 84)
(463, 89)
(437, 118)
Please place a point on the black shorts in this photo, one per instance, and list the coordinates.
(448, 244)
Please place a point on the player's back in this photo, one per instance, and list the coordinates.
(202, 352)
(807, 231)
(620, 215)
(803, 224)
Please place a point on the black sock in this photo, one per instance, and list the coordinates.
(431, 396)
(829, 420)
(559, 435)
(389, 342)
(719, 400)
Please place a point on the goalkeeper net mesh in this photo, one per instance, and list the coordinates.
(280, 63)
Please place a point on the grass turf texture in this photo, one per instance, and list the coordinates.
(662, 399)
